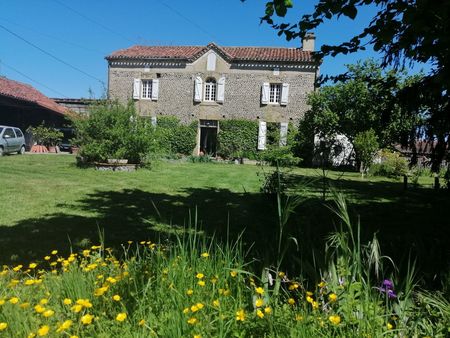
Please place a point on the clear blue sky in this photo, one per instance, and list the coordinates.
(81, 33)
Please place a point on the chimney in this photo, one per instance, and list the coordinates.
(308, 42)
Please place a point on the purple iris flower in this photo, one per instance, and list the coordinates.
(387, 287)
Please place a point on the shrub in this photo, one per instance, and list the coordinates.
(392, 165)
(366, 146)
(45, 136)
(113, 130)
(174, 137)
(237, 138)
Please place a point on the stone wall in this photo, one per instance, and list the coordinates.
(242, 90)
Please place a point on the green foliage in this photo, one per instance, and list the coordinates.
(113, 130)
(276, 154)
(175, 138)
(366, 147)
(200, 159)
(392, 165)
(45, 135)
(237, 139)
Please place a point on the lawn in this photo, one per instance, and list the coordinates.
(49, 203)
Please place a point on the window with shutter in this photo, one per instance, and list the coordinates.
(265, 89)
(198, 89)
(262, 131)
(137, 89)
(285, 94)
(146, 87)
(210, 90)
(155, 89)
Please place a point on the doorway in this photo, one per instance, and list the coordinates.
(208, 137)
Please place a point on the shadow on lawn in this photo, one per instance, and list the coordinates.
(413, 223)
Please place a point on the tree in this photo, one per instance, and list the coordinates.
(366, 146)
(366, 99)
(405, 32)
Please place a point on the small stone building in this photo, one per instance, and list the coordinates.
(211, 83)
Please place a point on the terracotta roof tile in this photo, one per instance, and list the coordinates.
(25, 92)
(190, 53)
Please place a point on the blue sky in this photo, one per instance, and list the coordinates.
(81, 33)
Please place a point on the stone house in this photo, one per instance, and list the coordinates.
(212, 83)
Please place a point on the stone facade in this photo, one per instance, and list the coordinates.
(244, 79)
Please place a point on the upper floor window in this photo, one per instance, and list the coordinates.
(146, 89)
(210, 90)
(275, 93)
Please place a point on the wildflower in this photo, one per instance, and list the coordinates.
(291, 301)
(321, 284)
(200, 275)
(67, 301)
(334, 319)
(43, 301)
(111, 280)
(29, 282)
(31, 335)
(64, 326)
(141, 322)
(214, 279)
(294, 286)
(233, 273)
(54, 252)
(194, 308)
(116, 298)
(14, 300)
(3, 326)
(205, 255)
(197, 336)
(201, 283)
(387, 287)
(121, 317)
(268, 310)
(39, 308)
(186, 310)
(281, 274)
(32, 265)
(216, 303)
(25, 305)
(332, 297)
(192, 320)
(259, 302)
(226, 292)
(87, 319)
(100, 291)
(17, 268)
(48, 313)
(259, 313)
(2, 301)
(74, 336)
(43, 330)
(77, 308)
(84, 302)
(200, 306)
(189, 292)
(240, 315)
(259, 290)
(309, 299)
(315, 305)
(86, 252)
(298, 317)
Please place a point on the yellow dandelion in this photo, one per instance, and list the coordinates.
(240, 315)
(43, 301)
(17, 268)
(201, 283)
(3, 326)
(321, 284)
(298, 317)
(389, 326)
(332, 297)
(54, 252)
(259, 302)
(192, 320)
(116, 298)
(259, 290)
(259, 313)
(100, 291)
(43, 330)
(190, 292)
(141, 322)
(87, 319)
(32, 265)
(200, 275)
(205, 255)
(47, 258)
(216, 303)
(39, 308)
(291, 301)
(111, 280)
(48, 313)
(64, 326)
(268, 310)
(309, 299)
(186, 310)
(194, 308)
(315, 305)
(294, 286)
(31, 335)
(121, 317)
(197, 336)
(334, 319)
(25, 305)
(233, 273)
(281, 274)
(14, 300)
(74, 336)
(77, 308)
(67, 301)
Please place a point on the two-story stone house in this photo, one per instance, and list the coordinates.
(211, 83)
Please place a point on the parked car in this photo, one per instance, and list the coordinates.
(11, 140)
(66, 142)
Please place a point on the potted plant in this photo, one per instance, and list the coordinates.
(45, 139)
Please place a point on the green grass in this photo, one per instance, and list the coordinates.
(50, 203)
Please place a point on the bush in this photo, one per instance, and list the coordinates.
(175, 138)
(276, 154)
(392, 165)
(113, 130)
(45, 136)
(237, 138)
